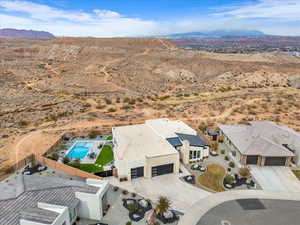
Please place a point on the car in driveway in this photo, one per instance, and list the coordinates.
(31, 170)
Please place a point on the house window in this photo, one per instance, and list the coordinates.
(191, 155)
(195, 154)
(198, 154)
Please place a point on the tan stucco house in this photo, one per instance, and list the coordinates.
(262, 143)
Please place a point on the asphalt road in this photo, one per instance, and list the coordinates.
(253, 212)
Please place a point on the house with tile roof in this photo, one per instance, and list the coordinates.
(39, 200)
(262, 143)
(155, 148)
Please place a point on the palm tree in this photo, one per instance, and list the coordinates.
(163, 204)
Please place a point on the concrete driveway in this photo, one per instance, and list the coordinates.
(276, 178)
(181, 194)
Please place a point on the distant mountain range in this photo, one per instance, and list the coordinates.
(218, 34)
(32, 34)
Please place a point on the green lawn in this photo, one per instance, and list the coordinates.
(105, 157)
(297, 173)
(109, 138)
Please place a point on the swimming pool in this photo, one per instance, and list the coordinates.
(80, 150)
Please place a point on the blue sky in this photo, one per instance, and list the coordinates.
(113, 18)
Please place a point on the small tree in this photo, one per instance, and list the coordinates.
(163, 205)
(203, 127)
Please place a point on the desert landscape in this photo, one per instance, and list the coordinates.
(51, 86)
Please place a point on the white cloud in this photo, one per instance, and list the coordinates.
(265, 9)
(106, 13)
(43, 12)
(105, 23)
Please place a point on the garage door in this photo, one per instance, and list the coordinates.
(252, 160)
(275, 161)
(137, 172)
(162, 169)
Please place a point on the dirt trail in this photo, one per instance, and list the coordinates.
(166, 45)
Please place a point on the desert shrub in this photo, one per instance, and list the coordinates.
(125, 192)
(126, 100)
(229, 179)
(226, 158)
(66, 160)
(279, 102)
(99, 106)
(131, 102)
(92, 134)
(186, 95)
(229, 169)
(118, 100)
(23, 123)
(231, 164)
(111, 110)
(107, 101)
(244, 172)
(133, 195)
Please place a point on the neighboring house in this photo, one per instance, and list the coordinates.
(39, 200)
(262, 143)
(155, 148)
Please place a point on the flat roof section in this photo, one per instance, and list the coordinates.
(135, 142)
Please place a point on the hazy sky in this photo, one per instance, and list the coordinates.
(111, 18)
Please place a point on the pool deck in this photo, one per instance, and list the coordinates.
(94, 148)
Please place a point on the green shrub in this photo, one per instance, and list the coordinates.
(222, 151)
(226, 158)
(66, 160)
(202, 128)
(231, 164)
(229, 179)
(125, 192)
(128, 223)
(54, 156)
(75, 163)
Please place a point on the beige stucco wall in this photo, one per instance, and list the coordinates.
(161, 160)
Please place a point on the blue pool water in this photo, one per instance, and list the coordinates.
(80, 150)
